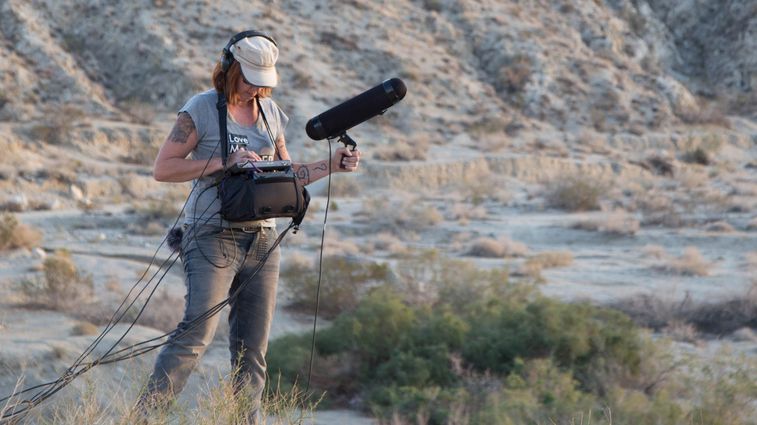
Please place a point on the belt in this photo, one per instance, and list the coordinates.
(246, 227)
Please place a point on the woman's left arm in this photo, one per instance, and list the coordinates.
(308, 173)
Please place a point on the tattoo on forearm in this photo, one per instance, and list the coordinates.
(322, 166)
(303, 173)
(182, 129)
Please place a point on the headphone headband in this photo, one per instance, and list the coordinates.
(227, 58)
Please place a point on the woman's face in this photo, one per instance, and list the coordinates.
(247, 91)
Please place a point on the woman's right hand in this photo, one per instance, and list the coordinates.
(242, 156)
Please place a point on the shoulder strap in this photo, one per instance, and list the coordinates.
(221, 106)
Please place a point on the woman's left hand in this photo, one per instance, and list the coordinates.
(345, 160)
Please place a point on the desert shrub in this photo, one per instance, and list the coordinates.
(534, 265)
(659, 209)
(701, 151)
(497, 248)
(15, 235)
(84, 328)
(399, 216)
(575, 193)
(697, 156)
(617, 223)
(388, 242)
(408, 359)
(689, 263)
(515, 74)
(61, 286)
(343, 282)
(718, 317)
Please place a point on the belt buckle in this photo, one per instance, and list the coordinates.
(250, 229)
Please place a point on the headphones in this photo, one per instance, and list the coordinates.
(227, 58)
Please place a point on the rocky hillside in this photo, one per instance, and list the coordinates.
(95, 84)
(612, 67)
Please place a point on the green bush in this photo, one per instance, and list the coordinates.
(477, 349)
(400, 353)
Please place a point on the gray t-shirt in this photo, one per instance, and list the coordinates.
(203, 206)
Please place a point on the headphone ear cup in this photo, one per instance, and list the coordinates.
(226, 60)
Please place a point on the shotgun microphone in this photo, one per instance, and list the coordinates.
(337, 120)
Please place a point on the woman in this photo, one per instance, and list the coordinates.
(218, 255)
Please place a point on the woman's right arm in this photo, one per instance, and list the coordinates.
(172, 165)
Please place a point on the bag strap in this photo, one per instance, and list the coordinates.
(221, 106)
(267, 127)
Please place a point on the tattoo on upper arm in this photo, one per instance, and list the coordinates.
(182, 129)
(303, 173)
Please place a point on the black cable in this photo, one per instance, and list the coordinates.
(320, 273)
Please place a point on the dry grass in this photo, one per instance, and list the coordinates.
(534, 265)
(480, 185)
(689, 263)
(401, 217)
(387, 242)
(14, 235)
(218, 403)
(62, 286)
(658, 209)
(575, 193)
(464, 212)
(618, 223)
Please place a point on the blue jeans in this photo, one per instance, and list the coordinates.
(216, 262)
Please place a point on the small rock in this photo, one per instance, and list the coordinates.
(16, 203)
(39, 253)
(76, 193)
(744, 335)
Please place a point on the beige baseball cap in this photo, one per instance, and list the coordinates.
(257, 56)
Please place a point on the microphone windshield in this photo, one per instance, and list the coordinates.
(360, 108)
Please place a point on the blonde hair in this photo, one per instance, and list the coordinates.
(228, 85)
